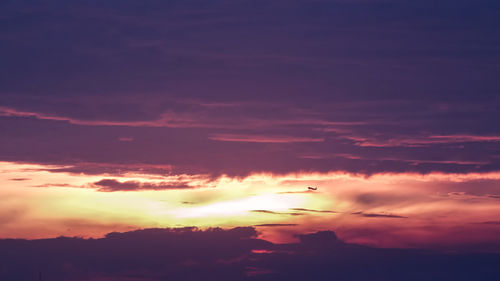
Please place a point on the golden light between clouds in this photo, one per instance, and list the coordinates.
(39, 201)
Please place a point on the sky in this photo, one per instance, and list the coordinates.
(369, 127)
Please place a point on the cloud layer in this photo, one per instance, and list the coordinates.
(237, 88)
(232, 254)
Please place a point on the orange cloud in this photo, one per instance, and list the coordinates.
(403, 209)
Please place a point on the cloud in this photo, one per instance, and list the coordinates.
(276, 224)
(184, 114)
(19, 179)
(253, 83)
(56, 185)
(276, 213)
(423, 141)
(383, 216)
(162, 252)
(318, 238)
(188, 202)
(166, 120)
(313, 211)
(96, 168)
(230, 254)
(111, 185)
(250, 130)
(375, 215)
(263, 139)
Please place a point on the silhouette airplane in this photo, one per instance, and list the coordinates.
(312, 188)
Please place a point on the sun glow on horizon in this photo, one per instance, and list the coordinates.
(241, 207)
(43, 201)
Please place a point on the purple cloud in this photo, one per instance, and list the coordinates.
(111, 185)
(232, 254)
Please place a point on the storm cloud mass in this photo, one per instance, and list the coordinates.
(233, 254)
(358, 86)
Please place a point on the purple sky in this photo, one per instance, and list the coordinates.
(237, 87)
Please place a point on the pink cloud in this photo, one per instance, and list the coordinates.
(420, 141)
(262, 139)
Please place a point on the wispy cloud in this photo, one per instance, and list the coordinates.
(421, 141)
(19, 179)
(276, 224)
(371, 215)
(111, 185)
(313, 211)
(263, 138)
(276, 213)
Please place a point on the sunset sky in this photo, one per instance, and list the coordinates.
(371, 122)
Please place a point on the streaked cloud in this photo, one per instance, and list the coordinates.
(110, 185)
(263, 139)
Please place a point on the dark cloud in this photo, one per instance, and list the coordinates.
(383, 216)
(110, 185)
(276, 213)
(151, 253)
(233, 254)
(312, 211)
(276, 224)
(321, 237)
(188, 202)
(375, 215)
(286, 85)
(20, 179)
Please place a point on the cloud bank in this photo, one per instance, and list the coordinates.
(229, 254)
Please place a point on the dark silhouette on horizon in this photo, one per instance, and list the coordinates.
(217, 254)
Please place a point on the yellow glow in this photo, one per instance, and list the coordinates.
(39, 201)
(240, 207)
